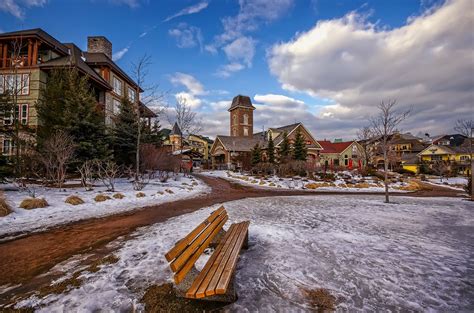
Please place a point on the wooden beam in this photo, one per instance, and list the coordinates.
(1, 53)
(35, 53)
(5, 52)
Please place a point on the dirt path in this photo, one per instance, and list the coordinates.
(24, 258)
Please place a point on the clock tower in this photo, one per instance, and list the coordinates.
(241, 117)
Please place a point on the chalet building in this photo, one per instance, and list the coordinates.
(233, 152)
(27, 56)
(346, 154)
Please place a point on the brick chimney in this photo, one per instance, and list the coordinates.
(99, 44)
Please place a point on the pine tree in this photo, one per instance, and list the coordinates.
(271, 150)
(124, 134)
(67, 103)
(299, 147)
(152, 134)
(285, 148)
(256, 155)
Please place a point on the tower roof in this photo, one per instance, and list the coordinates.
(241, 101)
(176, 130)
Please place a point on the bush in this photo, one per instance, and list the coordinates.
(4, 208)
(74, 200)
(101, 198)
(140, 195)
(118, 196)
(327, 176)
(33, 203)
(169, 191)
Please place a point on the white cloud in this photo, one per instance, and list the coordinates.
(252, 13)
(226, 70)
(119, 54)
(190, 99)
(189, 10)
(187, 36)
(241, 49)
(194, 89)
(17, 7)
(427, 63)
(130, 3)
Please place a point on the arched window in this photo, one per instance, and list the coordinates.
(235, 119)
(246, 119)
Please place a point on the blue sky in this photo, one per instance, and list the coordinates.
(299, 60)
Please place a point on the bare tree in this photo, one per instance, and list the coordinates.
(57, 151)
(364, 135)
(466, 128)
(187, 120)
(87, 171)
(151, 95)
(383, 126)
(441, 168)
(107, 171)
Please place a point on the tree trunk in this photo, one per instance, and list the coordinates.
(385, 161)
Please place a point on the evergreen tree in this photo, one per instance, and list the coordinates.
(285, 148)
(256, 155)
(68, 103)
(152, 134)
(271, 150)
(299, 147)
(124, 134)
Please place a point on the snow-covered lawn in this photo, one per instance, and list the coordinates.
(345, 181)
(414, 255)
(59, 212)
(457, 183)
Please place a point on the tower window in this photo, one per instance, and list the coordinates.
(235, 119)
(246, 131)
(246, 119)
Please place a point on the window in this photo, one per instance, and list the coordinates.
(117, 86)
(436, 158)
(21, 114)
(346, 162)
(19, 83)
(464, 158)
(7, 148)
(234, 132)
(115, 106)
(246, 131)
(131, 94)
(246, 119)
(235, 118)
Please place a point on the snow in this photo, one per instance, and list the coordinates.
(412, 255)
(358, 183)
(58, 212)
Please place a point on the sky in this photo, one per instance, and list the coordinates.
(325, 63)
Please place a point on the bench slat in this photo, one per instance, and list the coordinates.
(217, 275)
(179, 276)
(199, 281)
(182, 244)
(214, 264)
(232, 262)
(195, 245)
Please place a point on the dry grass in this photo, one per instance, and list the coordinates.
(362, 185)
(101, 198)
(33, 203)
(271, 184)
(118, 196)
(169, 191)
(413, 186)
(160, 193)
(74, 200)
(4, 207)
(140, 195)
(261, 183)
(95, 266)
(320, 299)
(315, 186)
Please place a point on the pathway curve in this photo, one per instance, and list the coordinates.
(24, 258)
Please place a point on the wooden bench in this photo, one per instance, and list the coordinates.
(215, 281)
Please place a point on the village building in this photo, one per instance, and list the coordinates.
(233, 152)
(27, 56)
(342, 154)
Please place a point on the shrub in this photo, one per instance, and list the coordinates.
(160, 193)
(271, 184)
(169, 191)
(74, 200)
(101, 198)
(33, 203)
(118, 196)
(140, 195)
(327, 176)
(320, 299)
(4, 208)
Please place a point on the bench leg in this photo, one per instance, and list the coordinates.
(246, 241)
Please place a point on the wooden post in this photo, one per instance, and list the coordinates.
(1, 54)
(30, 50)
(35, 53)
(5, 52)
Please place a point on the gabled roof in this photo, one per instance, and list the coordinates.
(75, 58)
(97, 58)
(334, 147)
(241, 101)
(240, 144)
(176, 130)
(454, 139)
(445, 149)
(36, 32)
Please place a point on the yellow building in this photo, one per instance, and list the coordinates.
(458, 155)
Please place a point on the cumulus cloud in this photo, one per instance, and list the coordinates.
(17, 7)
(226, 70)
(427, 64)
(187, 36)
(235, 40)
(194, 89)
(189, 10)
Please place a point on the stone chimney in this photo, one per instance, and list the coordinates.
(99, 44)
